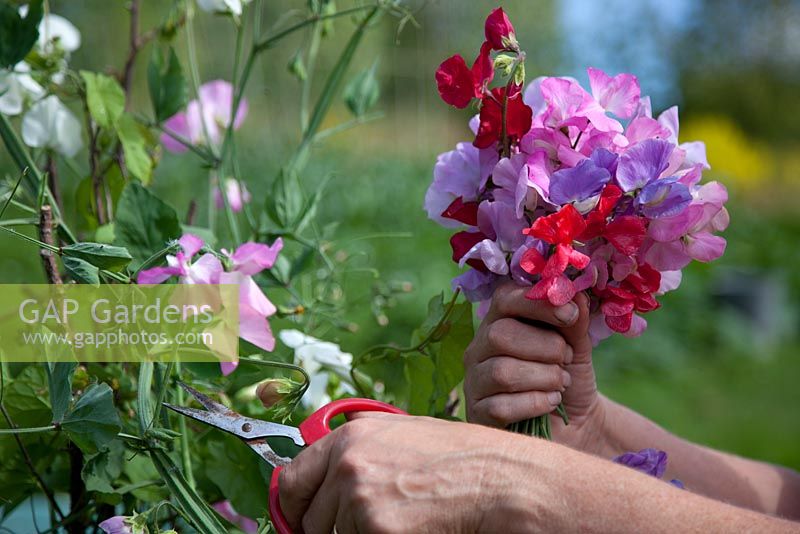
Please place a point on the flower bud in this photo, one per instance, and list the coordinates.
(500, 32)
(271, 392)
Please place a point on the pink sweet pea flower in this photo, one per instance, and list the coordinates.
(226, 510)
(237, 196)
(206, 118)
(247, 260)
(618, 95)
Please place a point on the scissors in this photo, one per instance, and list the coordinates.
(254, 432)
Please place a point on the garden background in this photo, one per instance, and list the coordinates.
(720, 362)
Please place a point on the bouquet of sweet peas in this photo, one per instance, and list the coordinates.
(567, 190)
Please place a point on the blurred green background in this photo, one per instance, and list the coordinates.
(720, 361)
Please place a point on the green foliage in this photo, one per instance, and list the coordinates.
(285, 205)
(134, 146)
(59, 380)
(144, 223)
(93, 422)
(105, 98)
(166, 82)
(237, 472)
(18, 34)
(100, 255)
(103, 468)
(362, 92)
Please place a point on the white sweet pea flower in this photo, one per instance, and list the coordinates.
(49, 124)
(233, 7)
(318, 358)
(17, 86)
(55, 29)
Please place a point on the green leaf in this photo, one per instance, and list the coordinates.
(310, 209)
(81, 271)
(286, 202)
(17, 34)
(93, 422)
(105, 98)
(103, 468)
(59, 379)
(84, 195)
(450, 356)
(297, 68)
(144, 223)
(105, 234)
(134, 147)
(234, 469)
(167, 83)
(362, 92)
(102, 256)
(419, 370)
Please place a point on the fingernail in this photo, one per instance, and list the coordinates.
(554, 398)
(566, 379)
(568, 355)
(566, 313)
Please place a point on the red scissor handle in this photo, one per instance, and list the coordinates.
(316, 427)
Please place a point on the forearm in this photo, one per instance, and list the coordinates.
(759, 486)
(604, 497)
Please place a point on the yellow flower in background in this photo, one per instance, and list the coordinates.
(737, 159)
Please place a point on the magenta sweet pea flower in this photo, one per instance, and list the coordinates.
(226, 510)
(236, 196)
(206, 118)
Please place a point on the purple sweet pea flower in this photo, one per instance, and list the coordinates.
(499, 222)
(578, 183)
(643, 163)
(477, 286)
(458, 173)
(117, 525)
(663, 198)
(490, 254)
(205, 118)
(649, 461)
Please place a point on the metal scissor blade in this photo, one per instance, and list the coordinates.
(205, 400)
(246, 428)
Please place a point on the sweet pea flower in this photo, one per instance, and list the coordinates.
(50, 124)
(618, 95)
(236, 196)
(16, 88)
(319, 358)
(55, 32)
(121, 524)
(206, 118)
(518, 119)
(247, 260)
(226, 510)
(648, 461)
(457, 174)
(579, 183)
(499, 31)
(234, 7)
(459, 84)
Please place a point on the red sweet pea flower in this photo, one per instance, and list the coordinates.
(626, 233)
(458, 84)
(499, 31)
(635, 293)
(596, 219)
(465, 212)
(519, 117)
(559, 229)
(462, 242)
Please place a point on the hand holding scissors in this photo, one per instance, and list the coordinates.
(254, 432)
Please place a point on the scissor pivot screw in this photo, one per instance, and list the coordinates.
(247, 427)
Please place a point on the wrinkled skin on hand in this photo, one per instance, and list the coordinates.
(389, 473)
(525, 358)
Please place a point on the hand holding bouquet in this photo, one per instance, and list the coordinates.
(567, 190)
